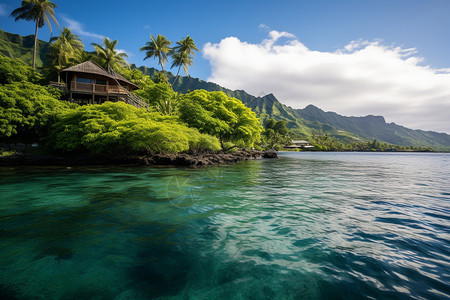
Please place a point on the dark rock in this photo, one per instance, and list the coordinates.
(182, 159)
(270, 154)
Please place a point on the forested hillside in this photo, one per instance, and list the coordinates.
(18, 47)
(309, 123)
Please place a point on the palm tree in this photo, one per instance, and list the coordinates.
(64, 49)
(159, 47)
(179, 60)
(68, 38)
(38, 11)
(83, 56)
(108, 55)
(182, 55)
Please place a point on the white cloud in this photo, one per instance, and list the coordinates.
(78, 29)
(362, 78)
(263, 27)
(3, 10)
(124, 51)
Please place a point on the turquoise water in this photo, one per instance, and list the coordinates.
(305, 226)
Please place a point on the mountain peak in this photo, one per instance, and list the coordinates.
(271, 97)
(311, 107)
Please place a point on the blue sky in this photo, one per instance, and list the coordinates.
(388, 27)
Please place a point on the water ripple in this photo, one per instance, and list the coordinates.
(305, 226)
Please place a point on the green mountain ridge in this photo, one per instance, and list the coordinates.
(375, 127)
(20, 48)
(304, 123)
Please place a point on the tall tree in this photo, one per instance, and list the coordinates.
(276, 134)
(37, 11)
(65, 50)
(108, 55)
(217, 114)
(159, 47)
(83, 56)
(182, 55)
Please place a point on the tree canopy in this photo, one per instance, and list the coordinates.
(64, 51)
(122, 128)
(108, 56)
(217, 114)
(158, 48)
(14, 71)
(182, 55)
(28, 110)
(161, 96)
(276, 134)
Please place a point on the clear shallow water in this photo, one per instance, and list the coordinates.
(305, 226)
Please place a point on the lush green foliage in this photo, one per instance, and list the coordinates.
(327, 143)
(13, 71)
(137, 77)
(64, 51)
(217, 114)
(276, 134)
(161, 97)
(122, 128)
(28, 110)
(108, 56)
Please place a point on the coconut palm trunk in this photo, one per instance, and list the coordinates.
(35, 44)
(176, 77)
(38, 11)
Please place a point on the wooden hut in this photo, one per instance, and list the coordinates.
(88, 83)
(301, 144)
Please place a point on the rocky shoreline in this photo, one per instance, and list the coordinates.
(182, 159)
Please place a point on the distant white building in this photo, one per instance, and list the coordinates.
(302, 144)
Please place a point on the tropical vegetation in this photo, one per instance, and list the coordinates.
(158, 48)
(182, 55)
(28, 110)
(35, 113)
(65, 51)
(221, 116)
(186, 114)
(121, 128)
(108, 56)
(276, 134)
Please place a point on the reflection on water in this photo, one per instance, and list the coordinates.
(305, 226)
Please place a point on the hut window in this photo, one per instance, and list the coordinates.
(101, 82)
(85, 80)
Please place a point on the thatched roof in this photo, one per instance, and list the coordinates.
(90, 67)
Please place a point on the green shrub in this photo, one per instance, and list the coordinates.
(217, 114)
(121, 128)
(28, 110)
(14, 71)
(200, 142)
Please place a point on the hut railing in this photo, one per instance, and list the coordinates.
(98, 88)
